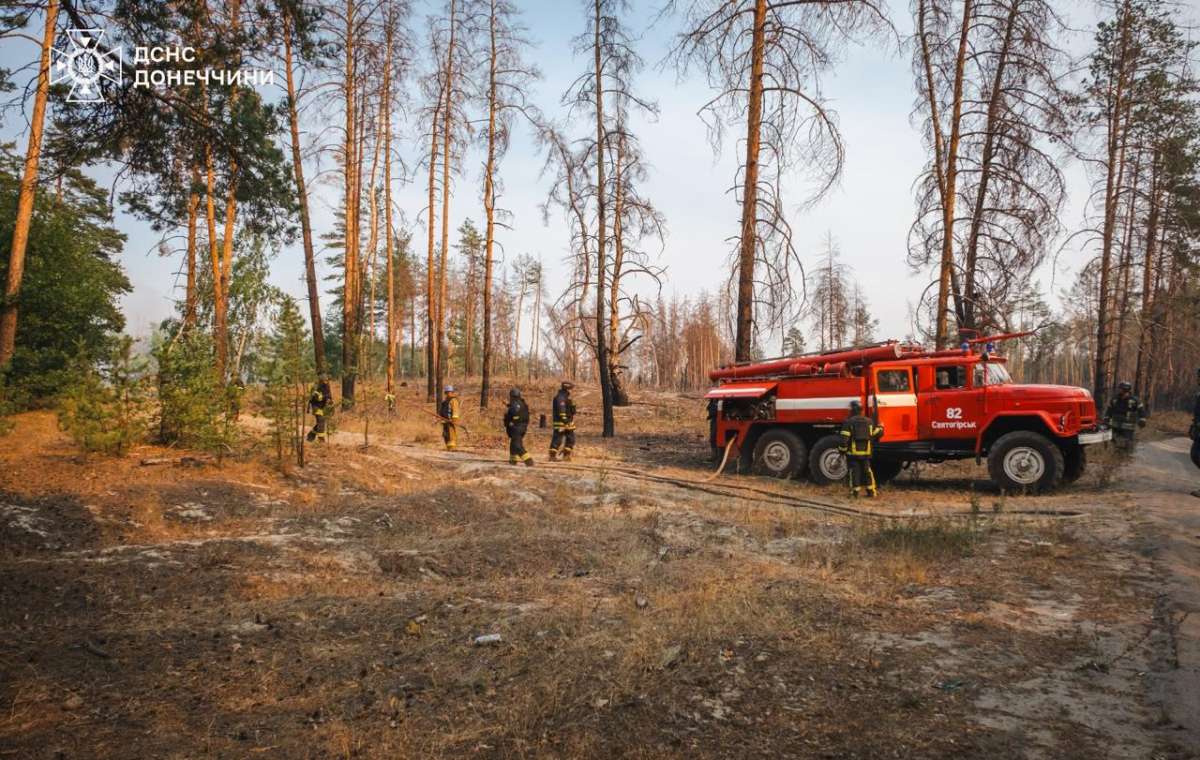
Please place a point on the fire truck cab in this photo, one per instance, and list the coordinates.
(782, 417)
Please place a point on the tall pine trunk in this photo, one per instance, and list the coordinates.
(489, 208)
(28, 193)
(748, 250)
(447, 129)
(431, 350)
(995, 100)
(387, 212)
(193, 210)
(620, 395)
(946, 275)
(602, 231)
(350, 188)
(1113, 178)
(1141, 375)
(310, 266)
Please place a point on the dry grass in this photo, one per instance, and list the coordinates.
(330, 611)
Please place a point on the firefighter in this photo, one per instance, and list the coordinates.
(1194, 432)
(450, 413)
(563, 408)
(859, 433)
(516, 422)
(320, 401)
(1125, 414)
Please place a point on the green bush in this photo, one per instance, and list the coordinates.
(194, 405)
(287, 371)
(104, 407)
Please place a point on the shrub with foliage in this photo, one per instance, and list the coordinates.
(288, 369)
(194, 405)
(105, 406)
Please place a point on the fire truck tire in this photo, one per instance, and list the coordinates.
(1025, 461)
(1074, 463)
(781, 454)
(826, 464)
(886, 470)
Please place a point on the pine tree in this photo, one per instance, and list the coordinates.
(105, 406)
(287, 371)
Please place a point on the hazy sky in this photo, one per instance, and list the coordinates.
(868, 213)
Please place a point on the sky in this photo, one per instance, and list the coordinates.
(868, 213)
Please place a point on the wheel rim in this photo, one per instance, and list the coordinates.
(1024, 465)
(833, 464)
(777, 456)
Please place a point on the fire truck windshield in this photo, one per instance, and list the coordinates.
(989, 373)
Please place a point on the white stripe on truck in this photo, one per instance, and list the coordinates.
(823, 402)
(731, 392)
(897, 399)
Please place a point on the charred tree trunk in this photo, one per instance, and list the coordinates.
(489, 208)
(992, 127)
(949, 196)
(748, 250)
(1115, 162)
(431, 349)
(602, 230)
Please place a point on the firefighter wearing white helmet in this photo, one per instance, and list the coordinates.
(859, 434)
(450, 412)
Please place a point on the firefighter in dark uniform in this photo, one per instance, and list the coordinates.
(450, 413)
(859, 433)
(320, 401)
(1125, 414)
(1194, 432)
(516, 422)
(563, 408)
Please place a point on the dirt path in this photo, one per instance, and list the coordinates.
(1161, 479)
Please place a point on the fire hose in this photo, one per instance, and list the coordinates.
(724, 459)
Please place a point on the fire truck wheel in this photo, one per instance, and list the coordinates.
(825, 463)
(1074, 463)
(780, 454)
(1025, 461)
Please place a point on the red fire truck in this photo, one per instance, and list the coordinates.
(781, 417)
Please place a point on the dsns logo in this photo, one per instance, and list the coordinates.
(83, 63)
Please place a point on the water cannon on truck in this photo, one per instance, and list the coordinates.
(781, 416)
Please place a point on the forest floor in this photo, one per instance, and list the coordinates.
(244, 610)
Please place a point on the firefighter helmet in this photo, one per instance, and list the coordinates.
(855, 407)
(448, 389)
(1124, 385)
(515, 393)
(567, 385)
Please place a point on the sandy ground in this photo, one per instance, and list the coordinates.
(335, 611)
(1162, 479)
